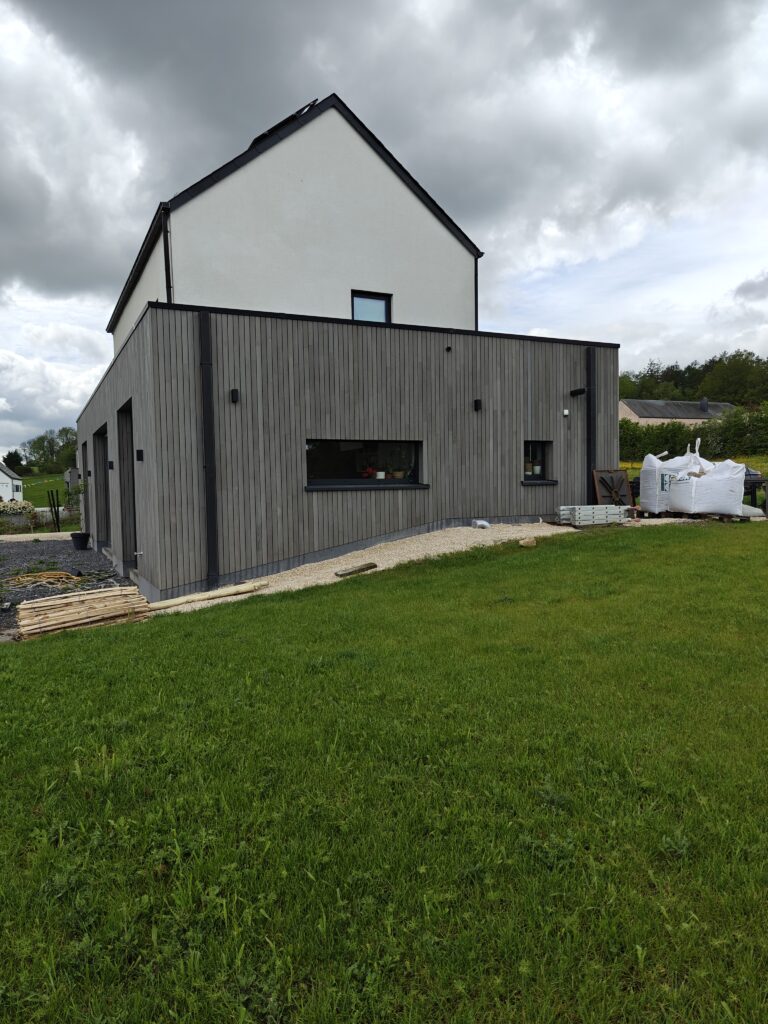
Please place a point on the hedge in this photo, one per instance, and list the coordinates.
(737, 433)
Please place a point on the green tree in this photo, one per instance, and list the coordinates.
(740, 377)
(53, 451)
(14, 461)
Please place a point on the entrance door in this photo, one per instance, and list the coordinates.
(127, 484)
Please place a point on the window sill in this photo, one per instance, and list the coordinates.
(539, 483)
(385, 485)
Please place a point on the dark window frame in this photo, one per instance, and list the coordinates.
(386, 297)
(537, 453)
(410, 480)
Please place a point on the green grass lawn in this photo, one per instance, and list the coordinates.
(510, 785)
(36, 488)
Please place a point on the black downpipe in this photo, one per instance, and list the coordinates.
(591, 424)
(477, 320)
(164, 215)
(209, 452)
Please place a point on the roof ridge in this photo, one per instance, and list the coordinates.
(260, 144)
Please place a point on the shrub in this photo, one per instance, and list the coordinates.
(16, 508)
(735, 433)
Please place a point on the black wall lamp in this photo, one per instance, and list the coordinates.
(478, 404)
(234, 395)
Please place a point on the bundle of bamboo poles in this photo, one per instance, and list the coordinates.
(74, 611)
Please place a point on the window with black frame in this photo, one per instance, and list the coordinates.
(372, 307)
(336, 463)
(537, 458)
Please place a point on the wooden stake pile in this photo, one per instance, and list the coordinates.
(74, 611)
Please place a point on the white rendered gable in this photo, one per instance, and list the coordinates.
(307, 221)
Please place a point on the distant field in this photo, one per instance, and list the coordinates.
(36, 488)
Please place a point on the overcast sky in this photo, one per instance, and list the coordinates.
(611, 158)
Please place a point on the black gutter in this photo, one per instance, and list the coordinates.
(591, 423)
(209, 451)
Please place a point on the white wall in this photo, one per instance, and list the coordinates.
(6, 488)
(149, 288)
(316, 216)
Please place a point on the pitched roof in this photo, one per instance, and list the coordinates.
(663, 409)
(9, 472)
(260, 145)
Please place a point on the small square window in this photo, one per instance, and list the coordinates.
(537, 458)
(374, 307)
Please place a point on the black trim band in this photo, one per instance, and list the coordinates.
(591, 422)
(209, 450)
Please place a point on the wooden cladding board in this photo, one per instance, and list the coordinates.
(300, 379)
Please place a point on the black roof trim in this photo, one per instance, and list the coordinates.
(260, 145)
(291, 124)
(153, 233)
(266, 314)
(231, 311)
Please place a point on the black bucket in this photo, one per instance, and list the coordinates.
(80, 541)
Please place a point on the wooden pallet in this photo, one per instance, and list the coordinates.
(593, 515)
(76, 611)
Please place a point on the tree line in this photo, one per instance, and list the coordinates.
(53, 451)
(740, 377)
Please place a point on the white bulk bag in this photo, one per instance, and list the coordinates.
(718, 492)
(656, 476)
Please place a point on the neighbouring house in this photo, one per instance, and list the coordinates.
(652, 411)
(11, 485)
(298, 372)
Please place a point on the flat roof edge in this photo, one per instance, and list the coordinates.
(233, 311)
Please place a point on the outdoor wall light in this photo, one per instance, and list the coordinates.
(111, 464)
(448, 348)
(139, 454)
(234, 394)
(478, 404)
(566, 412)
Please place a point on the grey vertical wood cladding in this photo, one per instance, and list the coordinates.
(299, 378)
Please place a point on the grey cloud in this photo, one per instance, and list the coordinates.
(754, 289)
(474, 98)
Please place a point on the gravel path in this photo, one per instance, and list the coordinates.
(410, 549)
(58, 555)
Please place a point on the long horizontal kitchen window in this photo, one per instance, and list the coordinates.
(363, 463)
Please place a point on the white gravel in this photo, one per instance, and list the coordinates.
(410, 549)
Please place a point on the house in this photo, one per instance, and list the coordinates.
(11, 485)
(652, 411)
(298, 372)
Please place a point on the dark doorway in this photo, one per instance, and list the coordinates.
(85, 498)
(101, 488)
(127, 485)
